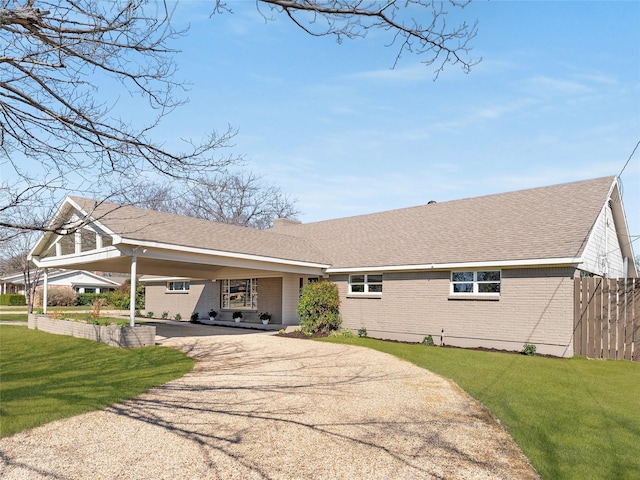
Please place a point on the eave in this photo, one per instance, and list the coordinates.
(539, 263)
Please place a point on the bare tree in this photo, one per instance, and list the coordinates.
(238, 198)
(59, 133)
(55, 133)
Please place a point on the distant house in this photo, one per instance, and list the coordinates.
(78, 280)
(495, 271)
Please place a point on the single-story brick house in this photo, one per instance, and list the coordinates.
(495, 271)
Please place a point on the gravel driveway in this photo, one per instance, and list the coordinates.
(259, 406)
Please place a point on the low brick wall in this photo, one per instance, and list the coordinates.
(114, 335)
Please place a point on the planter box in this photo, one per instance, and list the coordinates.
(114, 335)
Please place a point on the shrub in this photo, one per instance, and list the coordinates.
(428, 341)
(177, 317)
(237, 314)
(59, 297)
(13, 299)
(88, 298)
(149, 314)
(344, 333)
(362, 332)
(528, 349)
(165, 315)
(194, 317)
(119, 299)
(318, 308)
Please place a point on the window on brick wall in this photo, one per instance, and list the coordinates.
(365, 284)
(471, 282)
(240, 294)
(181, 286)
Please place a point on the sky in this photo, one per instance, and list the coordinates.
(554, 99)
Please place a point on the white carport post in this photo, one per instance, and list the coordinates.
(132, 298)
(45, 289)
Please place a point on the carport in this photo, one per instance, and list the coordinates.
(101, 236)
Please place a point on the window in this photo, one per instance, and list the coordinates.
(178, 286)
(240, 294)
(481, 282)
(364, 283)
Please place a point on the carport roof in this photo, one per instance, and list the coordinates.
(136, 226)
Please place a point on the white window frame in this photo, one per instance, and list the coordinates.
(476, 284)
(369, 286)
(251, 292)
(171, 286)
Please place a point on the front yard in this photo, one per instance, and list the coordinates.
(574, 419)
(48, 377)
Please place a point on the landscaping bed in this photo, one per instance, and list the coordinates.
(113, 334)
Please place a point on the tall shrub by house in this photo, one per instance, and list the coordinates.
(318, 308)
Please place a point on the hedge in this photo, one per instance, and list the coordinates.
(13, 299)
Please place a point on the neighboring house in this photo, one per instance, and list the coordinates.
(495, 271)
(78, 280)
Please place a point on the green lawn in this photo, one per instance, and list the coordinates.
(46, 377)
(573, 418)
(14, 317)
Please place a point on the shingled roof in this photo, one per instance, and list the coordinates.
(142, 225)
(540, 223)
(527, 225)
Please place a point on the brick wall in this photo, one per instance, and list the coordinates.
(114, 335)
(204, 295)
(535, 306)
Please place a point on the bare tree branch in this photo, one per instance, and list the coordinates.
(58, 133)
(54, 129)
(415, 26)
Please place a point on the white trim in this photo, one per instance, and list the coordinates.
(458, 266)
(72, 259)
(219, 253)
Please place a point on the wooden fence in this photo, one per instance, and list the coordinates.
(606, 320)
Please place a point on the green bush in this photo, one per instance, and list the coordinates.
(119, 300)
(13, 299)
(428, 341)
(528, 349)
(362, 332)
(318, 308)
(88, 298)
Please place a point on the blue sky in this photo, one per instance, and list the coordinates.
(556, 98)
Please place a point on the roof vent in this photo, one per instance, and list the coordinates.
(431, 202)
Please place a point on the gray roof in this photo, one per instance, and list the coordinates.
(540, 223)
(144, 225)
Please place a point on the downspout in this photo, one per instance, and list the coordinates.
(45, 289)
(132, 296)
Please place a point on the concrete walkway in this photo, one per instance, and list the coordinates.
(259, 406)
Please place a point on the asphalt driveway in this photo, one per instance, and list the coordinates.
(259, 406)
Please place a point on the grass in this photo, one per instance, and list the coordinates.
(573, 418)
(14, 317)
(47, 377)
